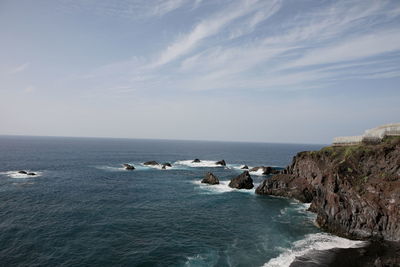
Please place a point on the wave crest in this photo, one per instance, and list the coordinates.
(319, 241)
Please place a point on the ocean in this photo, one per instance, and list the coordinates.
(83, 209)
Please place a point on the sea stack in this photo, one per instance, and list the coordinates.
(210, 178)
(242, 181)
(221, 163)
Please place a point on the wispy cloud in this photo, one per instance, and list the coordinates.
(19, 68)
(259, 45)
(207, 28)
(165, 6)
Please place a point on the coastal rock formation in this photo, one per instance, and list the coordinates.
(22, 172)
(165, 165)
(221, 162)
(128, 166)
(31, 173)
(151, 163)
(245, 167)
(242, 181)
(196, 161)
(354, 190)
(210, 178)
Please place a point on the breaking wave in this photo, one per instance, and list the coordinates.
(312, 242)
(16, 175)
(202, 163)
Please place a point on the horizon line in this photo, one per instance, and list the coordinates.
(158, 139)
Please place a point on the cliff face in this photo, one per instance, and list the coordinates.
(354, 190)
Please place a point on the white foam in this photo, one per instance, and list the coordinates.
(16, 175)
(319, 241)
(202, 163)
(222, 187)
(259, 172)
(111, 168)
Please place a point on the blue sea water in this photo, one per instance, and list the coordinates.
(83, 209)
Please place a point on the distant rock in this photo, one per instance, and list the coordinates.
(242, 181)
(165, 165)
(22, 172)
(128, 166)
(210, 178)
(221, 162)
(245, 167)
(151, 163)
(196, 161)
(31, 173)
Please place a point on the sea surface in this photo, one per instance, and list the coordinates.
(84, 209)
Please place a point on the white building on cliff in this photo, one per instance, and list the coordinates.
(374, 135)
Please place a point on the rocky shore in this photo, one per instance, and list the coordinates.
(354, 190)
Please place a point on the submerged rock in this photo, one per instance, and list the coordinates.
(242, 181)
(221, 162)
(210, 178)
(151, 163)
(128, 166)
(196, 161)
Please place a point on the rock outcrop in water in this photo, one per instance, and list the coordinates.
(27, 173)
(128, 167)
(196, 161)
(165, 165)
(245, 167)
(354, 190)
(242, 181)
(151, 163)
(221, 163)
(210, 178)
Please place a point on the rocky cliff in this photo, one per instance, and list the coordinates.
(354, 190)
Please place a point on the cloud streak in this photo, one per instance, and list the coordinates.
(259, 45)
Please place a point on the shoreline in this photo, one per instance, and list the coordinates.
(375, 253)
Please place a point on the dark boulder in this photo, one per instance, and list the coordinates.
(221, 162)
(210, 178)
(165, 165)
(151, 163)
(243, 181)
(128, 166)
(245, 167)
(22, 172)
(196, 161)
(31, 173)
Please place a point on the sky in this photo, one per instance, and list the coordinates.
(297, 71)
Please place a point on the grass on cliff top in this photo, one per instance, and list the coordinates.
(345, 152)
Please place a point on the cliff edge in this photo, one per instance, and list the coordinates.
(355, 190)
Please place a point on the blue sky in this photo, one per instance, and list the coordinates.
(269, 70)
